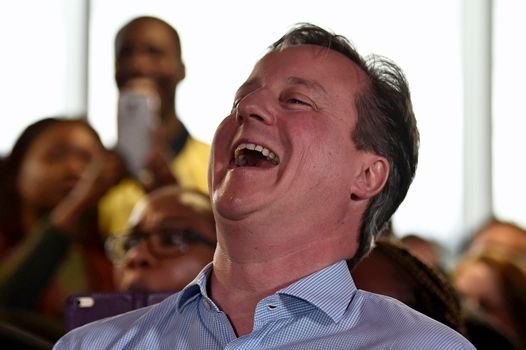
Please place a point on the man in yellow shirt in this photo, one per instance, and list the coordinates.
(148, 56)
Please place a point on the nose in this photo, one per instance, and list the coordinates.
(257, 105)
(139, 257)
(139, 64)
(136, 64)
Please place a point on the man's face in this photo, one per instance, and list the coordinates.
(146, 49)
(297, 109)
(143, 269)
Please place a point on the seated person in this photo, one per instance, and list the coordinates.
(171, 237)
(496, 233)
(390, 269)
(493, 282)
(50, 245)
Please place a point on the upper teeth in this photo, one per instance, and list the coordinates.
(241, 160)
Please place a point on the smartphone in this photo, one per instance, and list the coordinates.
(137, 118)
(82, 308)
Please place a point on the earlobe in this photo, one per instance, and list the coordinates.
(371, 179)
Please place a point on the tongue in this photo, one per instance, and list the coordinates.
(256, 159)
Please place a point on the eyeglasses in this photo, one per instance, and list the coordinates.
(165, 241)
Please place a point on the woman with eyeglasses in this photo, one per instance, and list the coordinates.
(170, 238)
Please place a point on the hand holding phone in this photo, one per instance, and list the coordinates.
(136, 121)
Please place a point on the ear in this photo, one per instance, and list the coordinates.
(371, 177)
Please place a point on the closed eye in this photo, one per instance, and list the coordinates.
(297, 101)
(154, 51)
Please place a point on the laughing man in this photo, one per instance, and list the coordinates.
(317, 153)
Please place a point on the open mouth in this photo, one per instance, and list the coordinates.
(254, 155)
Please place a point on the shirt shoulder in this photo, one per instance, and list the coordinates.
(401, 326)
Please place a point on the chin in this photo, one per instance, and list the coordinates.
(233, 208)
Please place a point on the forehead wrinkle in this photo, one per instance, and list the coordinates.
(309, 84)
(314, 86)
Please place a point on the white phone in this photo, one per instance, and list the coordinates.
(136, 121)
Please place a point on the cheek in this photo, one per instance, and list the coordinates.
(323, 150)
(166, 74)
(224, 134)
(33, 181)
(318, 132)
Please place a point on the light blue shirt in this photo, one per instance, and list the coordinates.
(321, 311)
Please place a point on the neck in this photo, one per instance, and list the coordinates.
(168, 109)
(254, 261)
(172, 125)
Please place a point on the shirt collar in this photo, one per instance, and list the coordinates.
(330, 289)
(194, 288)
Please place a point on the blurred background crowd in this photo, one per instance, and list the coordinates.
(82, 212)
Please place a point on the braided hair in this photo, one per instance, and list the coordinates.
(431, 292)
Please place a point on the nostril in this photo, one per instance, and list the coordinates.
(143, 263)
(140, 257)
(139, 263)
(243, 116)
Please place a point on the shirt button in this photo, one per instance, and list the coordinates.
(271, 306)
(207, 304)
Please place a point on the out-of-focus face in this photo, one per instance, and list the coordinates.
(480, 285)
(54, 164)
(146, 49)
(297, 110)
(425, 250)
(141, 269)
(379, 274)
(502, 236)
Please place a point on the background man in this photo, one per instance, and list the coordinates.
(148, 57)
